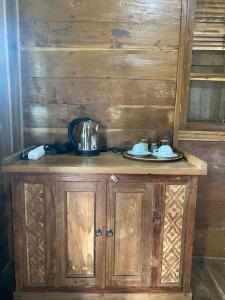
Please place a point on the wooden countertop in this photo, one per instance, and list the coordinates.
(106, 163)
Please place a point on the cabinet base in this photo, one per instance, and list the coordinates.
(103, 296)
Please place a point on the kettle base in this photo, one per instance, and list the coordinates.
(87, 152)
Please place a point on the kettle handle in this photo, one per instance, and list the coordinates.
(71, 127)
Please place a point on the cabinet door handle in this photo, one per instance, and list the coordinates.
(98, 231)
(109, 232)
(114, 179)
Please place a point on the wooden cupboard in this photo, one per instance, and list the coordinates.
(101, 233)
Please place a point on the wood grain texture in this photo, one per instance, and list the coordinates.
(207, 77)
(50, 235)
(74, 55)
(19, 230)
(205, 126)
(204, 104)
(86, 91)
(205, 136)
(114, 137)
(184, 67)
(206, 97)
(209, 25)
(208, 278)
(117, 117)
(83, 34)
(131, 64)
(127, 261)
(80, 206)
(35, 233)
(209, 229)
(80, 233)
(189, 224)
(128, 218)
(135, 212)
(102, 296)
(158, 216)
(106, 163)
(213, 59)
(136, 11)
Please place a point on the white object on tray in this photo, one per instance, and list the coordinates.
(164, 151)
(36, 153)
(139, 150)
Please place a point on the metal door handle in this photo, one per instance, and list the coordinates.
(114, 179)
(109, 232)
(98, 231)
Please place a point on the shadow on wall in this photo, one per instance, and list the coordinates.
(7, 276)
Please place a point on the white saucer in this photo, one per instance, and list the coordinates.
(143, 154)
(164, 157)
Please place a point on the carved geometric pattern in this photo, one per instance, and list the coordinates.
(35, 233)
(172, 236)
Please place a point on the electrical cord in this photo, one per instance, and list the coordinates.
(57, 148)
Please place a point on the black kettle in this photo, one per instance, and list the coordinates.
(84, 136)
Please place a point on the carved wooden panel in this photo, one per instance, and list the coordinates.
(35, 233)
(128, 234)
(172, 237)
(80, 233)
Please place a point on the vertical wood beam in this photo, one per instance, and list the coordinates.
(184, 67)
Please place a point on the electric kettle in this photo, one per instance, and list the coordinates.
(83, 134)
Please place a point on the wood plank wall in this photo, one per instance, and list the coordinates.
(114, 61)
(210, 214)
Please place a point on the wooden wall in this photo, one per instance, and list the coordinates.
(114, 61)
(210, 216)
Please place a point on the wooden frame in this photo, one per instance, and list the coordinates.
(181, 123)
(207, 136)
(103, 296)
(184, 66)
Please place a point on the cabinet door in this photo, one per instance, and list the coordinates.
(80, 218)
(129, 232)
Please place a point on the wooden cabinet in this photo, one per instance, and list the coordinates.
(96, 235)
